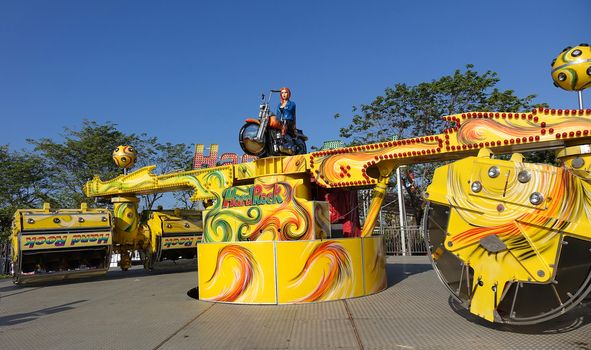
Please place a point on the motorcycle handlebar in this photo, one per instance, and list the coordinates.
(271, 92)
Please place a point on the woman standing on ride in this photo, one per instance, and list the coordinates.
(286, 112)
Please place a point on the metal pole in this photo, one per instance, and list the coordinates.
(401, 211)
(580, 99)
(364, 205)
(381, 224)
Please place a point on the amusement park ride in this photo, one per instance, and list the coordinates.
(511, 240)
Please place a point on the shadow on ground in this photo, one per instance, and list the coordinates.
(10, 320)
(573, 319)
(193, 293)
(397, 272)
(111, 275)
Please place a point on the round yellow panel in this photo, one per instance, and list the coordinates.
(124, 156)
(571, 70)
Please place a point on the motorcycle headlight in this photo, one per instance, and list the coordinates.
(247, 140)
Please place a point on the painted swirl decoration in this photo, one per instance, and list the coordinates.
(245, 272)
(289, 220)
(335, 277)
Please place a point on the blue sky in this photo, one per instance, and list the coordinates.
(192, 71)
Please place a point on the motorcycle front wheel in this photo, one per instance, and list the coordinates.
(248, 142)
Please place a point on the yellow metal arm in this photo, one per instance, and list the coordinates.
(501, 132)
(204, 183)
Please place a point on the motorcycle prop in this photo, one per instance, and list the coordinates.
(266, 136)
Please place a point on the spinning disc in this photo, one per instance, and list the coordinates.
(521, 302)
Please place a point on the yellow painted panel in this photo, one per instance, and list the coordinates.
(245, 171)
(374, 264)
(179, 242)
(294, 164)
(319, 270)
(64, 240)
(36, 219)
(241, 272)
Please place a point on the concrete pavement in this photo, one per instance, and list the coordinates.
(141, 310)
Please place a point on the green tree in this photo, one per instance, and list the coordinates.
(183, 200)
(57, 171)
(83, 154)
(406, 111)
(24, 185)
(168, 157)
(87, 152)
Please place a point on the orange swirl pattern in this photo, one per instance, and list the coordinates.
(244, 274)
(289, 221)
(478, 130)
(339, 271)
(348, 166)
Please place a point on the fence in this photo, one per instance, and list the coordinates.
(415, 243)
(135, 259)
(4, 258)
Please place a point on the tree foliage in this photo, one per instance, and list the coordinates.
(24, 184)
(87, 152)
(168, 157)
(56, 172)
(83, 154)
(406, 111)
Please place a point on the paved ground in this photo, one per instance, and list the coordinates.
(140, 310)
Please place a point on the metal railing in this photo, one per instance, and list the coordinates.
(4, 258)
(136, 259)
(415, 243)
